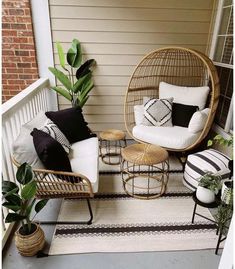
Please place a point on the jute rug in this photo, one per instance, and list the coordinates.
(125, 224)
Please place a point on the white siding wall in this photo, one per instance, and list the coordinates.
(117, 34)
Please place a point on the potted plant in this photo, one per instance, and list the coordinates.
(20, 200)
(76, 91)
(208, 186)
(224, 214)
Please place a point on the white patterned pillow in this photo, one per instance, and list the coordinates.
(52, 129)
(158, 112)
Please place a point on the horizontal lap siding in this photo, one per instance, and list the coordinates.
(117, 34)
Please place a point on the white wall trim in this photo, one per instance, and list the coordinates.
(216, 28)
(43, 40)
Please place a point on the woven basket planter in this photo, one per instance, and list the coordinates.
(29, 245)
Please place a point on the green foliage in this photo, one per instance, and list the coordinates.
(211, 182)
(76, 91)
(219, 139)
(224, 214)
(21, 199)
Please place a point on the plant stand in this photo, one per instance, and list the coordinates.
(211, 205)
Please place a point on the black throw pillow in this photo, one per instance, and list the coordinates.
(50, 152)
(182, 114)
(71, 122)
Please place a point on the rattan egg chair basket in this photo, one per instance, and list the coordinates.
(177, 66)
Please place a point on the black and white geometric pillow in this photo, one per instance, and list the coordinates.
(158, 112)
(52, 129)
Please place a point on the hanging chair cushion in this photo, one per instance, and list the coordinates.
(158, 112)
(196, 96)
(198, 121)
(182, 114)
(170, 137)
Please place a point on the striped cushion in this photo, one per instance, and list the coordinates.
(52, 129)
(199, 163)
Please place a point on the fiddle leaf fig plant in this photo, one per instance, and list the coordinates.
(20, 200)
(76, 91)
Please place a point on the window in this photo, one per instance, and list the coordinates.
(222, 55)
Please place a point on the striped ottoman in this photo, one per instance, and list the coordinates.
(199, 163)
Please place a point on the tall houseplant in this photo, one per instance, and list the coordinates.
(74, 90)
(20, 200)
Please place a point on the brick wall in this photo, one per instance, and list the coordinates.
(19, 64)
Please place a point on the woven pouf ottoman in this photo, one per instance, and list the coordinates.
(198, 164)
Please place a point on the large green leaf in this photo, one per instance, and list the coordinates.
(61, 77)
(78, 85)
(61, 55)
(24, 174)
(12, 217)
(29, 190)
(14, 199)
(83, 101)
(63, 92)
(8, 186)
(29, 207)
(87, 86)
(84, 68)
(74, 54)
(9, 205)
(39, 206)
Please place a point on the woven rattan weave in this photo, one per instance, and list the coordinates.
(177, 66)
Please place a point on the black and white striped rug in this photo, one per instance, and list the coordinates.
(125, 224)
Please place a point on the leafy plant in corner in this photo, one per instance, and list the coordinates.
(211, 182)
(76, 91)
(224, 214)
(21, 200)
(219, 139)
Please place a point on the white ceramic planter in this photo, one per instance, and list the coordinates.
(204, 195)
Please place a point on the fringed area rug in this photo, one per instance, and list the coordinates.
(125, 224)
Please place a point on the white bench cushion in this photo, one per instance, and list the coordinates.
(84, 160)
(175, 137)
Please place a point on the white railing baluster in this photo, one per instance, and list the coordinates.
(17, 111)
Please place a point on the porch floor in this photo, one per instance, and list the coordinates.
(205, 259)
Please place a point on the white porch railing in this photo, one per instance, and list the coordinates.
(17, 111)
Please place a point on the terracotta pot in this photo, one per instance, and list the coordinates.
(29, 245)
(204, 195)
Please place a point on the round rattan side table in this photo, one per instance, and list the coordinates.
(111, 143)
(144, 170)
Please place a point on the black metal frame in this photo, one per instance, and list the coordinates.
(211, 205)
(105, 147)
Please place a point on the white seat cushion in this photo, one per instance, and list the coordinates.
(170, 137)
(84, 159)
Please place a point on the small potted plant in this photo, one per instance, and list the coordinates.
(208, 186)
(20, 200)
